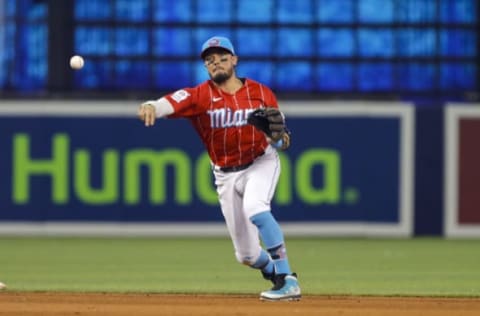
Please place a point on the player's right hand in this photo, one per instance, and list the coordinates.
(146, 113)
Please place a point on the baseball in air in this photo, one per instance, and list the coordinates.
(77, 62)
(2, 286)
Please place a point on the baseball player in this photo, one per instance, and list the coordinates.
(244, 159)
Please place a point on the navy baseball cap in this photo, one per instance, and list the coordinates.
(217, 42)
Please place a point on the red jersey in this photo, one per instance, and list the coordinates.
(220, 119)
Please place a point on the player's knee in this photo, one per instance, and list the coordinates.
(246, 258)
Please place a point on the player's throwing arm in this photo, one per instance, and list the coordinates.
(150, 110)
(146, 113)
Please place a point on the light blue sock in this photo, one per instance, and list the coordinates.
(264, 263)
(272, 237)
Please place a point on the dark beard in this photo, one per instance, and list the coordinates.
(221, 78)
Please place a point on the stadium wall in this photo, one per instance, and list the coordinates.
(91, 168)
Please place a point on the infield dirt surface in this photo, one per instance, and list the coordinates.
(56, 303)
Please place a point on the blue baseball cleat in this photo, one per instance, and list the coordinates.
(286, 289)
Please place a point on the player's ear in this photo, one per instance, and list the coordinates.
(234, 60)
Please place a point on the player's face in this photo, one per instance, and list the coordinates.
(220, 66)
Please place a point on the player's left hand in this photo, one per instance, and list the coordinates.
(146, 113)
(270, 121)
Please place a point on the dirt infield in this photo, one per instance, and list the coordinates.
(15, 303)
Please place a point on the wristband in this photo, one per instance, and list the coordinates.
(278, 144)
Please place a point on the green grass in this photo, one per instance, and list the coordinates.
(430, 267)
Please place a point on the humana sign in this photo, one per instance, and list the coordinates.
(121, 181)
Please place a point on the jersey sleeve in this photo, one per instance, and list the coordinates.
(184, 102)
(269, 97)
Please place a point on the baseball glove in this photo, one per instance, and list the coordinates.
(270, 121)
